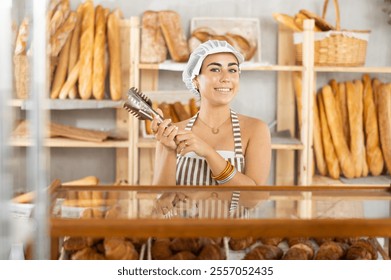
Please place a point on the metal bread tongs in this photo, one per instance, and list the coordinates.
(140, 106)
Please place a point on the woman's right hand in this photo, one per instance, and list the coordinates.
(165, 132)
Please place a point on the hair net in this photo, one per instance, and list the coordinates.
(193, 66)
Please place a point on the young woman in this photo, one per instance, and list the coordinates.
(217, 146)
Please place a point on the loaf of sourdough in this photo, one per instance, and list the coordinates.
(384, 115)
(334, 122)
(86, 50)
(174, 36)
(153, 46)
(99, 68)
(329, 150)
(374, 156)
(114, 43)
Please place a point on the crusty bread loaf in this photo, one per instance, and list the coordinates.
(243, 45)
(297, 86)
(299, 20)
(165, 107)
(61, 70)
(180, 111)
(70, 82)
(237, 244)
(330, 251)
(174, 36)
(184, 255)
(160, 249)
(271, 240)
(287, 21)
(186, 244)
(211, 252)
(74, 51)
(264, 252)
(193, 106)
(376, 83)
(384, 115)
(153, 46)
(22, 37)
(374, 154)
(340, 98)
(99, 68)
(329, 150)
(318, 144)
(59, 38)
(355, 109)
(114, 43)
(319, 21)
(335, 127)
(86, 50)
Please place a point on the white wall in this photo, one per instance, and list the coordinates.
(257, 96)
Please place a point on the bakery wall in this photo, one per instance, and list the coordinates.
(257, 96)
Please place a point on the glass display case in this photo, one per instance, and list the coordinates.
(152, 213)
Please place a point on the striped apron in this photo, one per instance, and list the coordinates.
(192, 170)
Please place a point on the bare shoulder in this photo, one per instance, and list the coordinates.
(182, 124)
(250, 125)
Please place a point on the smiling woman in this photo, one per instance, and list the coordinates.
(216, 146)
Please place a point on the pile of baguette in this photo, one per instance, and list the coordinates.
(295, 23)
(175, 111)
(352, 127)
(84, 45)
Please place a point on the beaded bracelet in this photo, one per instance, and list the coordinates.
(229, 177)
(224, 173)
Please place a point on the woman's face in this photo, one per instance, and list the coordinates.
(218, 81)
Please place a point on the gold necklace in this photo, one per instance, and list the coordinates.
(215, 130)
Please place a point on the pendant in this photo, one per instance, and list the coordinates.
(215, 130)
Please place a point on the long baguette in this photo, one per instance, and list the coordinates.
(336, 131)
(297, 85)
(86, 50)
(99, 69)
(21, 39)
(74, 50)
(70, 82)
(318, 145)
(355, 108)
(384, 114)
(341, 102)
(374, 155)
(338, 107)
(59, 38)
(114, 43)
(61, 70)
(329, 151)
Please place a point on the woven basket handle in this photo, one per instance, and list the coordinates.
(336, 6)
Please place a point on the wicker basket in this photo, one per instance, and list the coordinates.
(335, 48)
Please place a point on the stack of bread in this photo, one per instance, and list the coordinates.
(162, 33)
(84, 47)
(175, 111)
(187, 249)
(352, 127)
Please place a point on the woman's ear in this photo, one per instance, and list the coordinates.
(195, 83)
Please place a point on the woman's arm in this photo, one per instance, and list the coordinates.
(165, 166)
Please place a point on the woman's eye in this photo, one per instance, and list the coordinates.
(233, 70)
(215, 69)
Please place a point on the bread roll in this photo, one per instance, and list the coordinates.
(185, 244)
(184, 255)
(87, 254)
(237, 244)
(174, 36)
(57, 41)
(374, 156)
(295, 253)
(335, 127)
(384, 115)
(74, 53)
(160, 249)
(114, 43)
(21, 39)
(86, 50)
(271, 240)
(330, 251)
(119, 249)
(153, 46)
(211, 252)
(61, 70)
(355, 109)
(264, 252)
(318, 144)
(99, 68)
(74, 243)
(329, 150)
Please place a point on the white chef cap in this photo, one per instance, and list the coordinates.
(193, 66)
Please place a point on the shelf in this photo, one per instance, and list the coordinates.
(384, 180)
(364, 69)
(278, 143)
(245, 66)
(70, 104)
(68, 143)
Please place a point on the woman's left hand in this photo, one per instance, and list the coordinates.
(187, 141)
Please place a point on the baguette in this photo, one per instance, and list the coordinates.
(74, 50)
(165, 107)
(21, 39)
(318, 145)
(355, 108)
(113, 31)
(341, 103)
(173, 114)
(61, 70)
(336, 131)
(376, 83)
(384, 114)
(319, 21)
(70, 82)
(374, 155)
(99, 69)
(287, 21)
(180, 111)
(174, 36)
(86, 50)
(193, 106)
(153, 46)
(59, 38)
(297, 85)
(329, 151)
